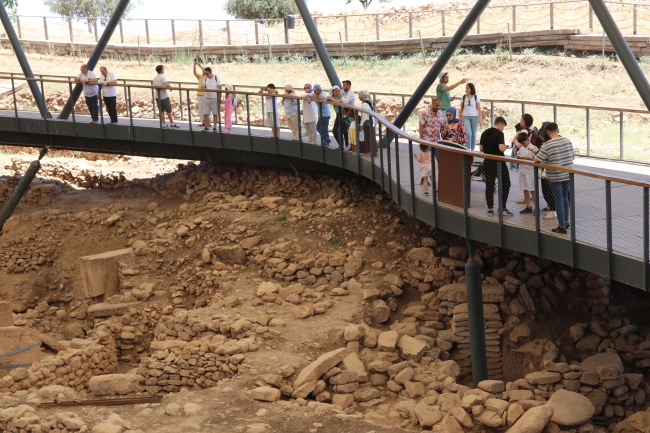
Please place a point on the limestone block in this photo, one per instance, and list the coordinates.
(100, 273)
(113, 384)
(14, 337)
(6, 314)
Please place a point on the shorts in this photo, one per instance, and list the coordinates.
(425, 173)
(164, 105)
(200, 101)
(268, 120)
(526, 179)
(210, 105)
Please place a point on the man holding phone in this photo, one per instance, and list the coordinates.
(200, 74)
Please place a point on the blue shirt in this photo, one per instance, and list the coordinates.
(325, 110)
(290, 107)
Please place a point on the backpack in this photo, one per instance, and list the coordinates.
(465, 97)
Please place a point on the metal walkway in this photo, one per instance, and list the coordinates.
(610, 227)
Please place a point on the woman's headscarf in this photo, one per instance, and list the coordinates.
(454, 119)
(364, 96)
(309, 89)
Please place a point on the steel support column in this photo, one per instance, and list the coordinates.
(21, 188)
(96, 55)
(623, 50)
(438, 66)
(324, 56)
(22, 60)
(476, 318)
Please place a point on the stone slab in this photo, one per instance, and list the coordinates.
(108, 310)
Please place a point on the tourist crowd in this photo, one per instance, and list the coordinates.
(310, 112)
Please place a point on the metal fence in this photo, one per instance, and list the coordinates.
(607, 228)
(632, 19)
(616, 133)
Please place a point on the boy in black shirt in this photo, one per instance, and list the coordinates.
(493, 143)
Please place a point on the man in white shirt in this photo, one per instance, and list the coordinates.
(211, 99)
(164, 104)
(108, 80)
(348, 97)
(89, 80)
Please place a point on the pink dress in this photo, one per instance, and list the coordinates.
(228, 109)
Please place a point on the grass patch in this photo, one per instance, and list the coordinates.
(280, 218)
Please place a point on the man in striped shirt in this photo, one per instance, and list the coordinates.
(558, 151)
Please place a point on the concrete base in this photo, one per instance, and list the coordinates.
(100, 273)
(14, 337)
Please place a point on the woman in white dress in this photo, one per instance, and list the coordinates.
(309, 116)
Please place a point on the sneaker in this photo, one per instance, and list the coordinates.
(165, 126)
(422, 181)
(173, 125)
(113, 123)
(568, 226)
(490, 212)
(206, 129)
(550, 215)
(506, 212)
(526, 210)
(426, 193)
(93, 121)
(214, 129)
(336, 148)
(560, 230)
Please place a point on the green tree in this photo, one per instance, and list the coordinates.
(260, 9)
(85, 9)
(366, 3)
(11, 6)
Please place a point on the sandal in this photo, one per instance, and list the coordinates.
(547, 209)
(550, 215)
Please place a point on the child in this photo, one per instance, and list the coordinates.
(352, 134)
(424, 158)
(230, 105)
(525, 150)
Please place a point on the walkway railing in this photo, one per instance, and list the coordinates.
(596, 131)
(632, 19)
(609, 216)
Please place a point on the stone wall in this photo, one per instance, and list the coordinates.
(72, 367)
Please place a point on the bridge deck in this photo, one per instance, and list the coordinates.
(590, 202)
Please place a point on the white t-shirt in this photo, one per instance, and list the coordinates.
(159, 81)
(211, 83)
(269, 106)
(108, 90)
(89, 89)
(469, 105)
(526, 151)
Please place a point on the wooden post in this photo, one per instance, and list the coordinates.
(591, 18)
(257, 33)
(146, 29)
(509, 42)
(551, 15)
(173, 33)
(442, 18)
(121, 33)
(410, 25)
(20, 34)
(345, 62)
(201, 32)
(634, 15)
(377, 24)
(345, 24)
(424, 55)
(228, 31)
(71, 34)
(514, 18)
(45, 27)
(95, 25)
(478, 26)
